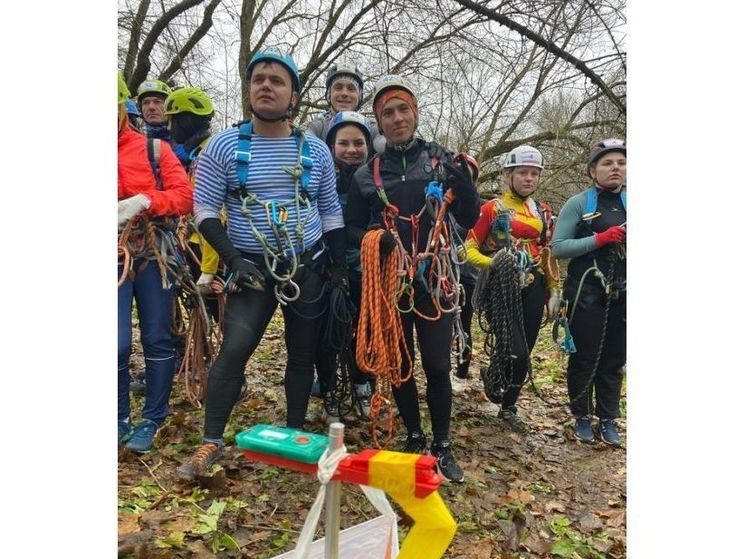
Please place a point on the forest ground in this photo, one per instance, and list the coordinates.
(539, 495)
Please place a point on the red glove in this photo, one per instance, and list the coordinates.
(614, 234)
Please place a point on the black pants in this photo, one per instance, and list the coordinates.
(246, 317)
(434, 339)
(532, 297)
(586, 328)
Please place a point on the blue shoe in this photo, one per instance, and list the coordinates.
(584, 429)
(609, 432)
(141, 439)
(125, 430)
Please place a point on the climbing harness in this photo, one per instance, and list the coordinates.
(282, 257)
(436, 269)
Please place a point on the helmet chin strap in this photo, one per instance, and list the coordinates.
(513, 189)
(271, 119)
(516, 193)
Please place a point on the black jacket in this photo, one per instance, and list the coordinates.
(405, 176)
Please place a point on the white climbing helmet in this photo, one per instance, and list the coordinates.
(524, 156)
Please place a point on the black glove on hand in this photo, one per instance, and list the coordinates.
(340, 279)
(459, 179)
(245, 274)
(387, 243)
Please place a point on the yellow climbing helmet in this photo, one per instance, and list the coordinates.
(152, 87)
(124, 91)
(189, 100)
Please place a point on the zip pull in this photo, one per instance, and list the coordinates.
(404, 167)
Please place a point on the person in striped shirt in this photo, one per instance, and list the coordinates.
(279, 188)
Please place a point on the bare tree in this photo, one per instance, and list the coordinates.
(489, 76)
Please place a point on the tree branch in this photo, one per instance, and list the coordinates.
(549, 46)
(142, 68)
(200, 32)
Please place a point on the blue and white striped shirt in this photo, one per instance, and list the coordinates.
(217, 183)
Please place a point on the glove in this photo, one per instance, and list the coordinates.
(613, 235)
(553, 305)
(387, 243)
(203, 283)
(496, 259)
(340, 279)
(130, 207)
(460, 180)
(245, 274)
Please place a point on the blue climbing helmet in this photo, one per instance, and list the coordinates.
(602, 148)
(132, 109)
(273, 54)
(344, 118)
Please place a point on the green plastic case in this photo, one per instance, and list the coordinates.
(293, 444)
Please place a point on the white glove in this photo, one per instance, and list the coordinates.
(553, 305)
(130, 207)
(203, 283)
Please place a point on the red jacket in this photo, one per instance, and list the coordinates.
(136, 176)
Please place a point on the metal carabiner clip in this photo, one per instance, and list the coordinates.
(283, 297)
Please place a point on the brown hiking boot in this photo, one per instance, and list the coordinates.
(206, 456)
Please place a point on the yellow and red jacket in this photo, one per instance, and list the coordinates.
(210, 257)
(529, 231)
(135, 176)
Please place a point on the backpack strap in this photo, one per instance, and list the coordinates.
(306, 161)
(547, 221)
(591, 200)
(243, 155)
(154, 157)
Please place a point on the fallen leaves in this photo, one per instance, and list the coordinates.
(515, 486)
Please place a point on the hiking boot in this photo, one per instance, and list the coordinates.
(510, 417)
(609, 432)
(584, 429)
(331, 408)
(137, 383)
(141, 438)
(125, 430)
(316, 388)
(362, 400)
(446, 464)
(200, 463)
(462, 369)
(415, 443)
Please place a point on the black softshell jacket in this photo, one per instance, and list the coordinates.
(405, 177)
